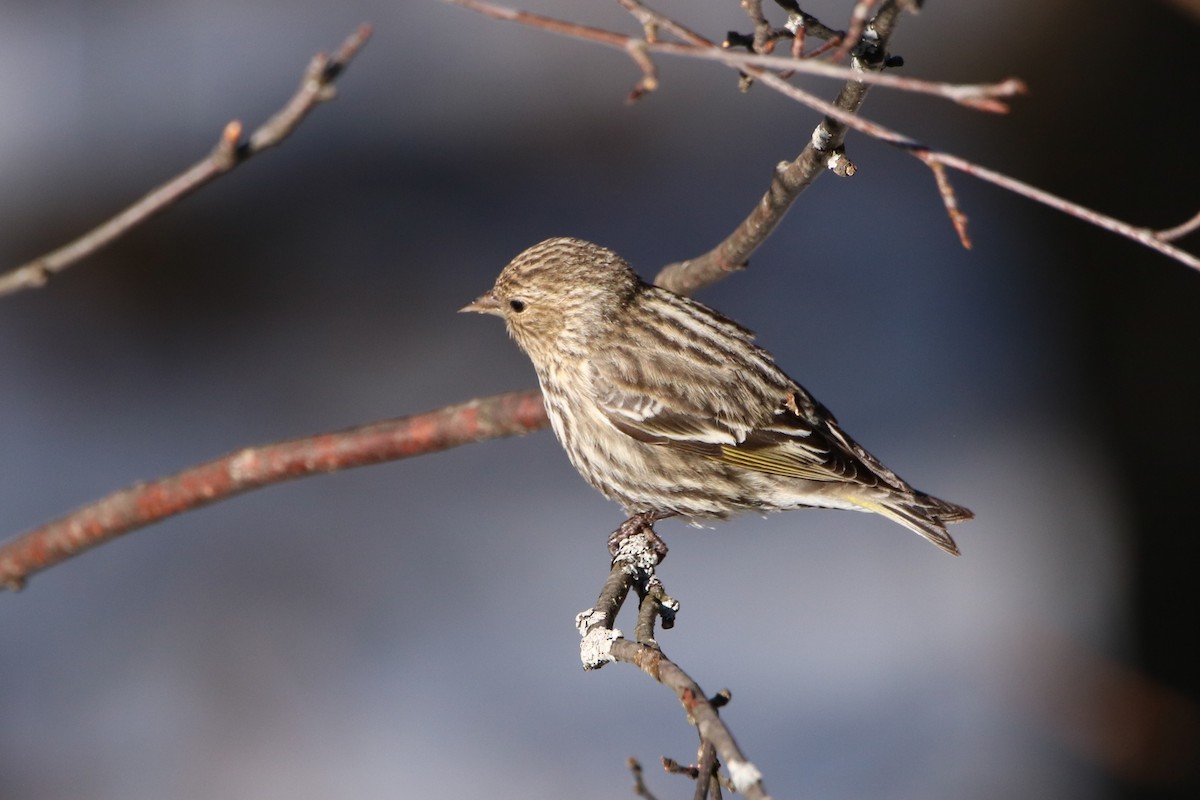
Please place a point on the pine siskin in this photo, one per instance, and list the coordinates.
(669, 408)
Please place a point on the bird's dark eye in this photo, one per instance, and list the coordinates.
(517, 305)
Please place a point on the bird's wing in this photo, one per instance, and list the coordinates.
(767, 425)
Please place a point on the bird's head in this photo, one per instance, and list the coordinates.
(557, 295)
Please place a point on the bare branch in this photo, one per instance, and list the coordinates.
(649, 81)
(949, 199)
(315, 88)
(1144, 236)
(858, 22)
(1179, 231)
(634, 567)
(706, 777)
(651, 660)
(253, 467)
(981, 96)
(639, 782)
(823, 151)
(762, 29)
(791, 178)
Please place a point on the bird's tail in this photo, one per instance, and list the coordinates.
(924, 514)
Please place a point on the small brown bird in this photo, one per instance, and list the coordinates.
(669, 408)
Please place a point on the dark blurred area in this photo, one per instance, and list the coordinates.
(407, 628)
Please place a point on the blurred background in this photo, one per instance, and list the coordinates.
(407, 629)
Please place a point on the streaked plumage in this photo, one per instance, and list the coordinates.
(667, 407)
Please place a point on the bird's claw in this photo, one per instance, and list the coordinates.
(638, 525)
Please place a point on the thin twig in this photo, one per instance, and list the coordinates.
(639, 781)
(949, 200)
(651, 660)
(981, 96)
(858, 22)
(653, 604)
(1179, 231)
(1144, 236)
(230, 151)
(706, 773)
(762, 28)
(253, 467)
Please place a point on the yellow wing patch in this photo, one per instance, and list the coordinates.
(775, 462)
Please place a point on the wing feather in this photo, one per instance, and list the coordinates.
(767, 425)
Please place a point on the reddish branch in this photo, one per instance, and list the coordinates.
(253, 467)
(315, 88)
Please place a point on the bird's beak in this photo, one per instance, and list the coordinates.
(486, 303)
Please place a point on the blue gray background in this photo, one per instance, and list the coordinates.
(407, 629)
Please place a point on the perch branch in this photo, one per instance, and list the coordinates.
(634, 568)
(253, 467)
(315, 88)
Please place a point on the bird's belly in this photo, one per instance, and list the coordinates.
(653, 477)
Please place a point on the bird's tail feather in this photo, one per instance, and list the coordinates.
(923, 514)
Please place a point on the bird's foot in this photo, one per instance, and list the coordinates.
(636, 551)
(639, 525)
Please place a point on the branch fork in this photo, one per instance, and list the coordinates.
(634, 566)
(634, 561)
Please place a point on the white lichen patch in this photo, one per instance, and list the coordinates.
(637, 553)
(743, 774)
(595, 650)
(587, 618)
